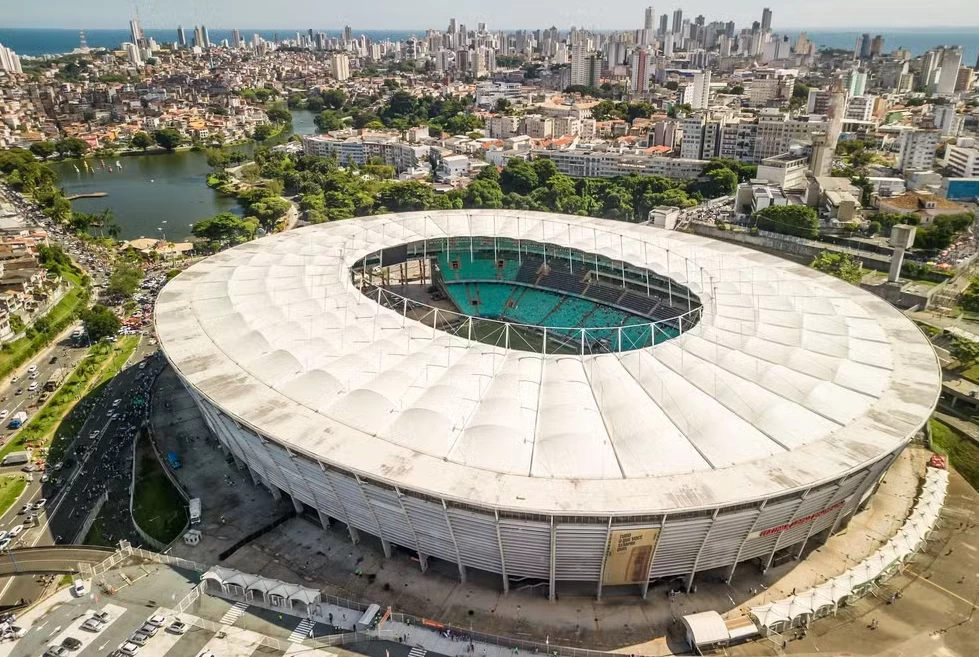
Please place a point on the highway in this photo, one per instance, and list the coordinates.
(101, 454)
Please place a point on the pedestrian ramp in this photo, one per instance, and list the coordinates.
(301, 631)
(232, 615)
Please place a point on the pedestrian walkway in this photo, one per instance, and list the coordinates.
(233, 614)
(301, 631)
(417, 651)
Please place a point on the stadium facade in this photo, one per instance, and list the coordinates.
(571, 400)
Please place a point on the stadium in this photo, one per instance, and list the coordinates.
(560, 401)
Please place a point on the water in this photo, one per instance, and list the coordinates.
(152, 189)
(916, 41)
(43, 41)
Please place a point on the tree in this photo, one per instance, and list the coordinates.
(964, 351)
(943, 231)
(100, 322)
(483, 194)
(503, 105)
(124, 280)
(545, 168)
(328, 120)
(141, 140)
(334, 99)
(72, 146)
(716, 183)
(168, 138)
(406, 196)
(43, 149)
(263, 131)
(269, 210)
(279, 115)
(225, 228)
(798, 220)
(840, 265)
(518, 176)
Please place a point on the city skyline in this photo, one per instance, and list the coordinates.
(507, 14)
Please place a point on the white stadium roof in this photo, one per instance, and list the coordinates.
(790, 379)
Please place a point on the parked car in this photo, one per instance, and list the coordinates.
(15, 531)
(92, 625)
(4, 413)
(71, 643)
(5, 543)
(103, 616)
(127, 648)
(39, 504)
(177, 627)
(159, 620)
(56, 651)
(139, 639)
(148, 630)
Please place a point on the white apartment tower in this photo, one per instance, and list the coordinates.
(341, 65)
(949, 73)
(918, 150)
(701, 90)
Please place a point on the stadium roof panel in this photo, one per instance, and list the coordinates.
(791, 377)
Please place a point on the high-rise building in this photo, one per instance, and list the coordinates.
(640, 71)
(877, 46)
(136, 33)
(949, 72)
(132, 54)
(205, 37)
(235, 39)
(348, 34)
(918, 150)
(664, 22)
(678, 21)
(701, 90)
(866, 43)
(858, 47)
(965, 79)
(9, 61)
(181, 37)
(856, 82)
(650, 22)
(766, 19)
(198, 37)
(341, 65)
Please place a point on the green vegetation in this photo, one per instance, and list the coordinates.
(23, 172)
(797, 220)
(124, 280)
(964, 351)
(59, 420)
(96, 535)
(225, 229)
(842, 265)
(969, 300)
(100, 322)
(158, 508)
(141, 140)
(168, 138)
(11, 486)
(943, 231)
(962, 453)
(45, 329)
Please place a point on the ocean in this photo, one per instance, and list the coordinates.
(49, 41)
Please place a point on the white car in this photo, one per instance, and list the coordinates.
(4, 413)
(32, 387)
(79, 588)
(4, 543)
(39, 504)
(116, 402)
(158, 620)
(129, 649)
(32, 369)
(15, 532)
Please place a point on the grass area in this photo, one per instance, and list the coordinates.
(157, 506)
(971, 373)
(962, 453)
(11, 486)
(96, 535)
(59, 420)
(65, 580)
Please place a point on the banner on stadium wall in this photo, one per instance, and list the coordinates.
(629, 554)
(778, 529)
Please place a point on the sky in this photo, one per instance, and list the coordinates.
(844, 15)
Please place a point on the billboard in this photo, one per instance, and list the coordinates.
(629, 555)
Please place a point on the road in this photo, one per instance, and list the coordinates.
(50, 559)
(101, 453)
(67, 355)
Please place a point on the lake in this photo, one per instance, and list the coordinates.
(153, 195)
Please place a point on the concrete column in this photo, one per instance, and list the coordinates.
(324, 519)
(255, 478)
(276, 493)
(423, 561)
(238, 462)
(354, 534)
(552, 583)
(386, 546)
(296, 504)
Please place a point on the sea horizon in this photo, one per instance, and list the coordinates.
(38, 41)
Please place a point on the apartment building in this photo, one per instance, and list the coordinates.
(360, 149)
(962, 162)
(608, 164)
(917, 150)
(777, 132)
